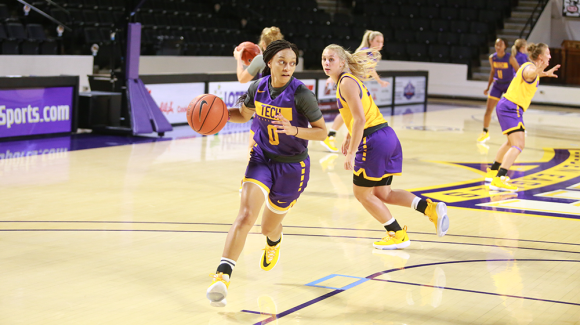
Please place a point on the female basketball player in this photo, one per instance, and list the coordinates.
(279, 166)
(510, 111)
(371, 39)
(520, 52)
(503, 66)
(269, 34)
(372, 148)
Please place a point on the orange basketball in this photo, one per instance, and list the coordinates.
(250, 50)
(207, 114)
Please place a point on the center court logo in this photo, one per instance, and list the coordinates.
(549, 187)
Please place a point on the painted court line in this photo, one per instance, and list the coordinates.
(354, 284)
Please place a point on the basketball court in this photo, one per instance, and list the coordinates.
(112, 230)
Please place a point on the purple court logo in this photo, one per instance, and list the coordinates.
(35, 111)
(409, 91)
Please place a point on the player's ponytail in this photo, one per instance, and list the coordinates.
(536, 49)
(360, 64)
(367, 38)
(270, 34)
(518, 44)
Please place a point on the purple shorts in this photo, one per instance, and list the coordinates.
(379, 155)
(510, 116)
(281, 182)
(498, 89)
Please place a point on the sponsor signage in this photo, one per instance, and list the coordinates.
(228, 91)
(35, 111)
(173, 99)
(409, 90)
(383, 96)
(326, 91)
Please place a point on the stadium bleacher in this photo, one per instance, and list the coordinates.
(453, 31)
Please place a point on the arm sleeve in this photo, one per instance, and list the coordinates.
(249, 101)
(307, 104)
(257, 65)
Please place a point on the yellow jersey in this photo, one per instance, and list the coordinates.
(521, 92)
(373, 116)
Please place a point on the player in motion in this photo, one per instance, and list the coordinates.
(372, 148)
(371, 39)
(279, 166)
(503, 65)
(510, 112)
(520, 51)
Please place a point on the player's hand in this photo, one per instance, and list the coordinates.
(383, 83)
(485, 92)
(349, 161)
(238, 54)
(550, 73)
(284, 125)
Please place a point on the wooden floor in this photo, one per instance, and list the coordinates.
(130, 234)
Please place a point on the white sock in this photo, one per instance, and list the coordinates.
(225, 260)
(389, 222)
(416, 201)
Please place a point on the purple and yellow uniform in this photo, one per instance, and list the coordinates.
(510, 109)
(379, 154)
(504, 73)
(279, 163)
(521, 58)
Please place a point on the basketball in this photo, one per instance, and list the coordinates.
(250, 50)
(207, 114)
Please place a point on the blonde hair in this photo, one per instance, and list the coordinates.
(518, 44)
(360, 64)
(367, 38)
(269, 35)
(536, 49)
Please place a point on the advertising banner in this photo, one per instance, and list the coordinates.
(409, 90)
(228, 91)
(35, 111)
(383, 96)
(173, 99)
(310, 83)
(326, 91)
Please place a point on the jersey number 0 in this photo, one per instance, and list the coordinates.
(273, 135)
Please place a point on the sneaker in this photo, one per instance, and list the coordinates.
(329, 144)
(270, 256)
(394, 240)
(484, 136)
(502, 184)
(490, 175)
(218, 290)
(437, 213)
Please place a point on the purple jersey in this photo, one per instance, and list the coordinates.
(521, 58)
(273, 143)
(504, 72)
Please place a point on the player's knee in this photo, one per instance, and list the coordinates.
(245, 220)
(362, 196)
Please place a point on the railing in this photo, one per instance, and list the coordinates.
(531, 22)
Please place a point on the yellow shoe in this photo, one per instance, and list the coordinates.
(484, 136)
(270, 256)
(218, 290)
(437, 213)
(490, 175)
(329, 144)
(327, 162)
(394, 240)
(502, 184)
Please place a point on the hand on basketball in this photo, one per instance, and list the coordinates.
(284, 125)
(550, 73)
(238, 53)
